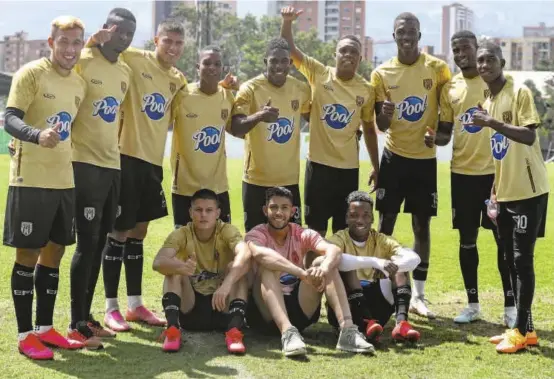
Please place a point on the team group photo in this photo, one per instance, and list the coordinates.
(335, 241)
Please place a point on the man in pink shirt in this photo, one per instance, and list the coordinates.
(290, 280)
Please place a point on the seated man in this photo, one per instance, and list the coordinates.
(204, 263)
(287, 289)
(375, 275)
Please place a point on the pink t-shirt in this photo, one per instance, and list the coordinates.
(299, 241)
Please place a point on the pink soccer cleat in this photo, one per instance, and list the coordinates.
(55, 339)
(172, 341)
(233, 340)
(32, 348)
(143, 314)
(114, 320)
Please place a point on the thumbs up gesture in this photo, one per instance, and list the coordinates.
(230, 82)
(103, 35)
(481, 117)
(50, 137)
(269, 113)
(388, 106)
(430, 136)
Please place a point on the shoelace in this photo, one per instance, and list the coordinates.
(290, 334)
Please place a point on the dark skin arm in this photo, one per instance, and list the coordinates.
(384, 110)
(523, 134)
(242, 124)
(441, 137)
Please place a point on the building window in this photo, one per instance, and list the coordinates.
(358, 10)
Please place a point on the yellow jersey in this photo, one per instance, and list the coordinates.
(198, 157)
(338, 109)
(96, 127)
(415, 89)
(272, 150)
(48, 99)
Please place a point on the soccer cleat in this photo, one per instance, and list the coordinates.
(145, 315)
(233, 340)
(373, 330)
(114, 320)
(85, 335)
(510, 315)
(293, 343)
(351, 340)
(55, 339)
(32, 348)
(512, 343)
(418, 305)
(532, 338)
(99, 331)
(468, 315)
(403, 331)
(172, 340)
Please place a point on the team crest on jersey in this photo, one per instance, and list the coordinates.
(224, 114)
(428, 84)
(487, 93)
(64, 119)
(294, 104)
(26, 228)
(208, 139)
(337, 116)
(123, 87)
(77, 101)
(507, 117)
(154, 106)
(172, 87)
(89, 213)
(281, 130)
(359, 101)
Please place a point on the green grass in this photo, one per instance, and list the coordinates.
(445, 350)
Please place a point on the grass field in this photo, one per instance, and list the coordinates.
(445, 351)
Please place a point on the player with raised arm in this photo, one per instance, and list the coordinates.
(96, 166)
(146, 117)
(267, 114)
(472, 172)
(290, 279)
(407, 89)
(374, 270)
(520, 189)
(44, 99)
(205, 287)
(341, 101)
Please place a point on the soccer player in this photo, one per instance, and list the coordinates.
(520, 188)
(267, 114)
(289, 282)
(407, 89)
(472, 172)
(202, 114)
(341, 101)
(44, 99)
(96, 166)
(154, 83)
(204, 264)
(374, 270)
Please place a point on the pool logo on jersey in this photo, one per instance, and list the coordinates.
(281, 130)
(106, 108)
(62, 118)
(294, 104)
(208, 139)
(412, 108)
(154, 106)
(224, 114)
(466, 120)
(507, 117)
(427, 84)
(337, 116)
(499, 146)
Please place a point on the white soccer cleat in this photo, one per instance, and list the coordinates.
(468, 315)
(418, 305)
(510, 315)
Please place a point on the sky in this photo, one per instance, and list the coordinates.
(492, 18)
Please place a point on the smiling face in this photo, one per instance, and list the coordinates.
(489, 64)
(66, 47)
(359, 219)
(123, 34)
(210, 66)
(169, 47)
(278, 211)
(407, 35)
(278, 64)
(464, 51)
(348, 55)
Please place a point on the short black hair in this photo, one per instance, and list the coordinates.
(359, 196)
(464, 34)
(214, 48)
(204, 194)
(124, 13)
(407, 16)
(351, 37)
(171, 25)
(492, 47)
(277, 44)
(278, 191)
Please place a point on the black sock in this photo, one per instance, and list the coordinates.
(469, 262)
(46, 287)
(359, 308)
(237, 314)
(402, 297)
(172, 304)
(95, 266)
(525, 288)
(530, 325)
(509, 298)
(111, 266)
(22, 294)
(420, 272)
(133, 258)
(79, 276)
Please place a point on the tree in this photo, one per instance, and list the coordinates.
(544, 65)
(540, 104)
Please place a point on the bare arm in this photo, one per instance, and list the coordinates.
(332, 255)
(274, 261)
(166, 263)
(444, 133)
(240, 265)
(522, 134)
(290, 14)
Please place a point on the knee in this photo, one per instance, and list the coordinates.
(119, 235)
(400, 279)
(387, 221)
(172, 283)
(51, 255)
(420, 226)
(523, 263)
(468, 238)
(26, 257)
(139, 231)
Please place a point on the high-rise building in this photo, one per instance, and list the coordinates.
(526, 53)
(538, 31)
(16, 50)
(455, 17)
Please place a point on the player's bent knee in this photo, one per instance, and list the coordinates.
(27, 257)
(139, 231)
(51, 255)
(119, 235)
(172, 283)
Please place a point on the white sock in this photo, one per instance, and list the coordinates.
(510, 310)
(419, 288)
(133, 302)
(42, 329)
(475, 306)
(112, 305)
(386, 290)
(22, 336)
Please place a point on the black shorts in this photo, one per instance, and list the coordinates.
(202, 317)
(521, 222)
(181, 207)
(253, 200)
(35, 216)
(381, 310)
(142, 197)
(325, 192)
(468, 194)
(96, 197)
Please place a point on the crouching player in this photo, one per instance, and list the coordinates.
(204, 263)
(289, 282)
(375, 273)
